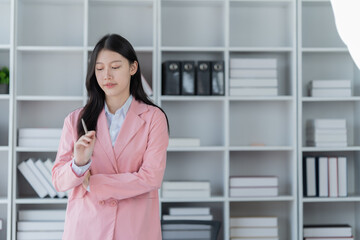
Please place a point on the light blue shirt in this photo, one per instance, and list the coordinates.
(115, 122)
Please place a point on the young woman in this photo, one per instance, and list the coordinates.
(116, 168)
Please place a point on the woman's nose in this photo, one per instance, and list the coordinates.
(107, 74)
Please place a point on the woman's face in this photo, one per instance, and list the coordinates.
(113, 73)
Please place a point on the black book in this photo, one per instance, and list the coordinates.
(171, 77)
(188, 78)
(203, 80)
(217, 78)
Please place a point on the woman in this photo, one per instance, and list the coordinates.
(116, 168)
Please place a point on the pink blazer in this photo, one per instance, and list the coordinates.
(123, 201)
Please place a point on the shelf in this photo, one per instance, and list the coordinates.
(4, 47)
(262, 148)
(331, 149)
(196, 149)
(29, 149)
(324, 50)
(211, 199)
(4, 148)
(261, 49)
(339, 199)
(49, 98)
(193, 49)
(124, 2)
(192, 2)
(41, 201)
(250, 98)
(49, 49)
(4, 96)
(263, 199)
(3, 200)
(192, 98)
(330, 99)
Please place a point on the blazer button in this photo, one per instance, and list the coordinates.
(102, 202)
(113, 203)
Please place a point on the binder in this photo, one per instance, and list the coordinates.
(188, 78)
(203, 81)
(171, 77)
(217, 78)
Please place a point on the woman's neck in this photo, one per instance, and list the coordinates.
(115, 103)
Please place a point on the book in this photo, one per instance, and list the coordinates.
(326, 144)
(146, 86)
(333, 177)
(342, 176)
(323, 177)
(253, 221)
(186, 185)
(331, 230)
(253, 82)
(41, 215)
(40, 225)
(255, 238)
(330, 84)
(253, 73)
(188, 234)
(185, 227)
(253, 91)
(189, 210)
(46, 173)
(254, 192)
(188, 217)
(254, 181)
(326, 123)
(32, 180)
(203, 78)
(39, 142)
(45, 235)
(1, 224)
(330, 92)
(310, 171)
(48, 186)
(254, 232)
(184, 142)
(329, 238)
(322, 131)
(193, 193)
(253, 63)
(40, 132)
(171, 71)
(217, 78)
(327, 138)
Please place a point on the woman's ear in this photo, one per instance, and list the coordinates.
(133, 67)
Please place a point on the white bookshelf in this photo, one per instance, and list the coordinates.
(322, 55)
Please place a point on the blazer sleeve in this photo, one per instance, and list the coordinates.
(63, 176)
(150, 175)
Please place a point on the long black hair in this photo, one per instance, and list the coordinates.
(96, 96)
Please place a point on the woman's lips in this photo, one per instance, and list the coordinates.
(110, 85)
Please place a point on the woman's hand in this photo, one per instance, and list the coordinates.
(83, 148)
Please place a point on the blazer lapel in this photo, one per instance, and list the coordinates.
(132, 124)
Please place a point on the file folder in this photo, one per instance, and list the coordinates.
(171, 77)
(188, 78)
(217, 78)
(203, 81)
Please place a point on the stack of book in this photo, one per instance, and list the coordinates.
(253, 186)
(254, 228)
(38, 175)
(39, 137)
(330, 88)
(40, 224)
(253, 77)
(184, 142)
(326, 133)
(325, 176)
(328, 232)
(1, 224)
(185, 189)
(185, 230)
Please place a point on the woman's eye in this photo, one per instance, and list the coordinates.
(99, 69)
(117, 67)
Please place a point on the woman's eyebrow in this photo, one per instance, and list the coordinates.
(110, 62)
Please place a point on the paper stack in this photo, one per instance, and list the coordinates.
(40, 224)
(254, 228)
(253, 186)
(253, 77)
(39, 137)
(328, 232)
(326, 133)
(38, 175)
(330, 88)
(185, 189)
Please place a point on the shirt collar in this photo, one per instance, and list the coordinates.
(123, 110)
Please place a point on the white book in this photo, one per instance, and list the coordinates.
(254, 181)
(48, 186)
(39, 142)
(326, 144)
(253, 82)
(185, 227)
(323, 177)
(253, 73)
(188, 217)
(254, 192)
(310, 177)
(326, 123)
(186, 185)
(253, 63)
(49, 165)
(42, 215)
(32, 179)
(40, 226)
(186, 193)
(254, 238)
(253, 222)
(188, 234)
(321, 131)
(329, 238)
(254, 232)
(330, 92)
(340, 230)
(253, 91)
(39, 235)
(327, 137)
(184, 142)
(342, 176)
(40, 132)
(333, 177)
(147, 88)
(189, 210)
(45, 172)
(1, 224)
(330, 83)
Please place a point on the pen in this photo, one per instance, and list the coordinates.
(84, 126)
